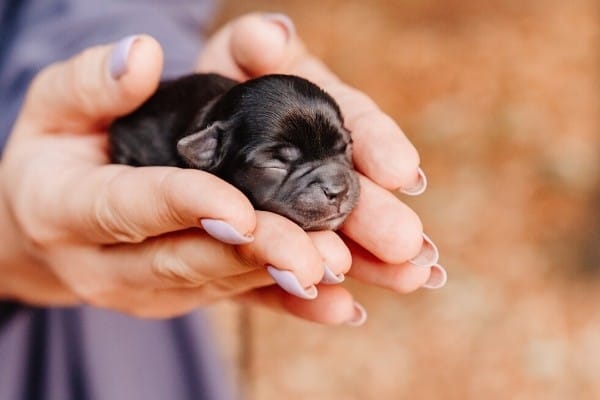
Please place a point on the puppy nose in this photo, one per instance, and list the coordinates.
(335, 192)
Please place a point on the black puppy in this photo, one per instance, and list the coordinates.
(280, 139)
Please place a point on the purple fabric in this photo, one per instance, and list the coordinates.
(84, 353)
(35, 33)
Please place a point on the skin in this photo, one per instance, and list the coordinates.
(76, 230)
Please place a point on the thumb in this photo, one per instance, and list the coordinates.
(251, 45)
(94, 87)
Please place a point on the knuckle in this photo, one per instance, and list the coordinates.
(111, 225)
(170, 189)
(108, 218)
(169, 267)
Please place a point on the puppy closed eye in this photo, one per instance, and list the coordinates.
(287, 154)
(281, 158)
(274, 164)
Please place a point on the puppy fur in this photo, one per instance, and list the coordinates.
(280, 139)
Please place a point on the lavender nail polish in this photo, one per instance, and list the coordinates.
(360, 316)
(284, 21)
(224, 232)
(419, 187)
(119, 56)
(428, 256)
(330, 278)
(437, 278)
(288, 282)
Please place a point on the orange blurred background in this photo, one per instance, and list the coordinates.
(502, 100)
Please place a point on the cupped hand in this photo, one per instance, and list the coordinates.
(161, 241)
(153, 241)
(385, 236)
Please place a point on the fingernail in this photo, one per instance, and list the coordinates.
(224, 232)
(419, 186)
(284, 21)
(288, 282)
(437, 278)
(120, 55)
(330, 278)
(428, 256)
(360, 316)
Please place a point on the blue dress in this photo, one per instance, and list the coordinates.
(83, 353)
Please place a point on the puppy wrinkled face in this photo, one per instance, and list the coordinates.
(311, 182)
(281, 140)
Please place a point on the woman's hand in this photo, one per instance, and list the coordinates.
(385, 236)
(154, 241)
(158, 241)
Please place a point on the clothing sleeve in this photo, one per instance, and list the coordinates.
(35, 33)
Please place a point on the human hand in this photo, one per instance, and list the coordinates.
(384, 235)
(77, 229)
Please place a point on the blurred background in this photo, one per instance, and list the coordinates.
(502, 98)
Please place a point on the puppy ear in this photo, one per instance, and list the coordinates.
(204, 149)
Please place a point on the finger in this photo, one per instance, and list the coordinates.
(334, 306)
(170, 302)
(116, 203)
(335, 253)
(288, 254)
(192, 259)
(232, 281)
(402, 278)
(189, 270)
(383, 225)
(381, 150)
(95, 86)
(238, 278)
(252, 45)
(258, 44)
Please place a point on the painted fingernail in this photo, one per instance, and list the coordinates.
(360, 316)
(330, 278)
(428, 256)
(284, 21)
(224, 232)
(437, 278)
(120, 55)
(419, 186)
(288, 282)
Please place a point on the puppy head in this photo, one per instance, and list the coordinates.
(280, 139)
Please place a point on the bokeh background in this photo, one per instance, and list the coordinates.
(502, 98)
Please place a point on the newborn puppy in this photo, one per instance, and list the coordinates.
(280, 139)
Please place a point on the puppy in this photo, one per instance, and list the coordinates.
(280, 139)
